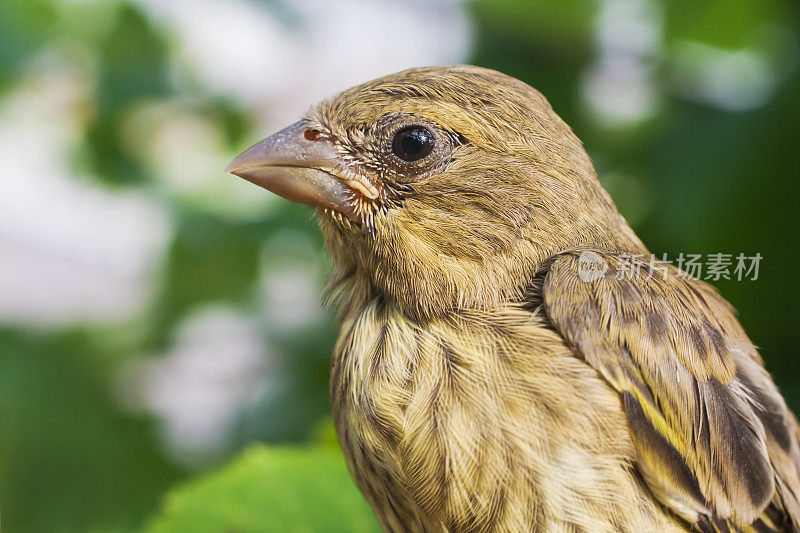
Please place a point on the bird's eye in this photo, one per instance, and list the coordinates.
(413, 143)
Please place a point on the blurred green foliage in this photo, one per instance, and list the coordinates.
(64, 445)
(698, 178)
(270, 489)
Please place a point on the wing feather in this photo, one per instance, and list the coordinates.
(716, 442)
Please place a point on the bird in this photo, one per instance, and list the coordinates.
(507, 359)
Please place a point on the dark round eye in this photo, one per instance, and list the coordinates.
(413, 143)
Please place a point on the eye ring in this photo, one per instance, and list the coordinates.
(413, 143)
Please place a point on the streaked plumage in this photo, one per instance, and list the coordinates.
(481, 381)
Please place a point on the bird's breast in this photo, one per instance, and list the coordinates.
(474, 419)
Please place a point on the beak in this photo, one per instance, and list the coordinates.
(298, 166)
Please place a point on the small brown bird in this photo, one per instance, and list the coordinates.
(502, 363)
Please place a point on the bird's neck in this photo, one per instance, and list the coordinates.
(436, 287)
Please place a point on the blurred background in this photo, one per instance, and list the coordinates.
(158, 316)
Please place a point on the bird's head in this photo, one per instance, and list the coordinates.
(440, 187)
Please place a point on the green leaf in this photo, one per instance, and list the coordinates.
(269, 489)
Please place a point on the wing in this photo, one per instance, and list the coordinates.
(715, 440)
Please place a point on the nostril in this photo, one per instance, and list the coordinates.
(312, 134)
